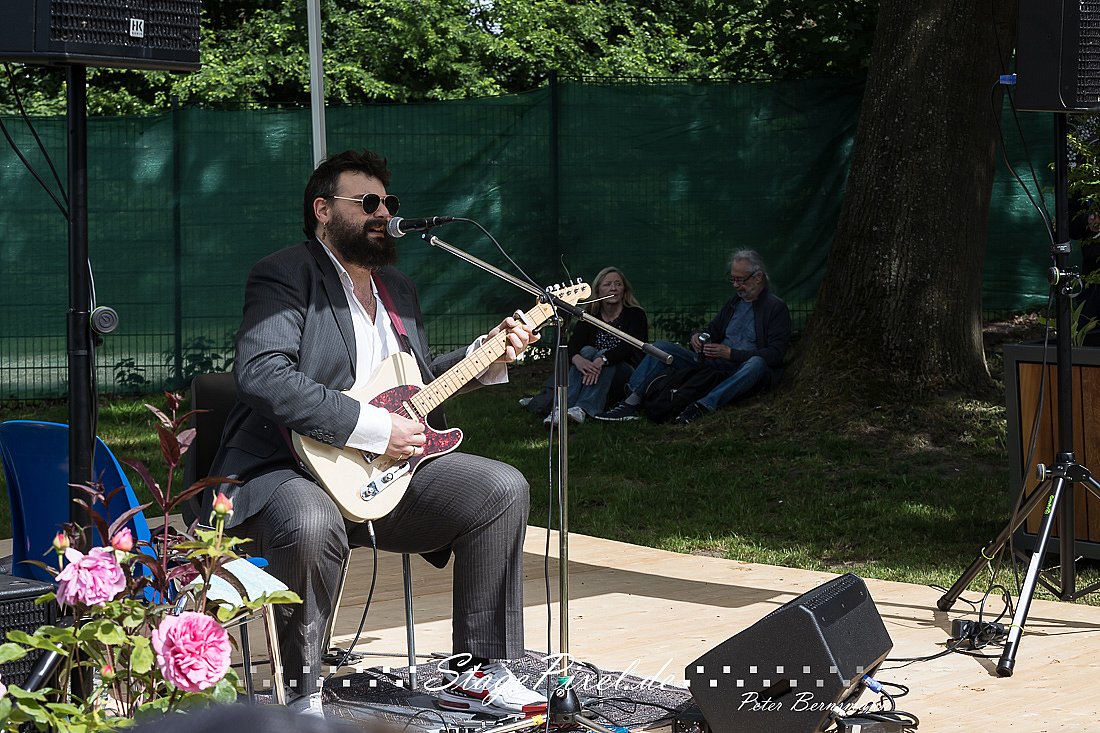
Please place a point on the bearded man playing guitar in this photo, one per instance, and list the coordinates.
(320, 318)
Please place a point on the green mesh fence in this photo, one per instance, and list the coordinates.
(663, 180)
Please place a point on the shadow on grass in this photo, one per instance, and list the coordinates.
(909, 493)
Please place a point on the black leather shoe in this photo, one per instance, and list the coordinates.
(691, 413)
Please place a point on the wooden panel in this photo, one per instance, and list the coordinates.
(1031, 385)
(1090, 408)
(1031, 394)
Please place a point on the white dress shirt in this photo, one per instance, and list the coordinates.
(376, 341)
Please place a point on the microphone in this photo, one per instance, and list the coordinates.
(399, 227)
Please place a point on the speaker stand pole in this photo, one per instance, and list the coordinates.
(79, 332)
(1057, 481)
(80, 345)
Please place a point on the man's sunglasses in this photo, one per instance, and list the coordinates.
(371, 200)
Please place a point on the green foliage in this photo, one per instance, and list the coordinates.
(130, 377)
(1083, 175)
(199, 355)
(256, 55)
(109, 642)
(677, 326)
(1080, 329)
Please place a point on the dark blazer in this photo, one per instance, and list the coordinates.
(772, 319)
(295, 354)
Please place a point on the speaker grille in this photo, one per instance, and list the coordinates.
(171, 25)
(1088, 54)
(18, 610)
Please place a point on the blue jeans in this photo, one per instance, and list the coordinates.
(743, 378)
(592, 398)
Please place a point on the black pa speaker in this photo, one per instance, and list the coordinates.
(131, 34)
(1058, 56)
(783, 673)
(19, 611)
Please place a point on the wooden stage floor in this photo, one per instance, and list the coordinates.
(652, 612)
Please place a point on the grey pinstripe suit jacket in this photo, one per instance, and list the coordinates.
(295, 353)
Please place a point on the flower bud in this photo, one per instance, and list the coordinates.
(60, 543)
(223, 506)
(108, 671)
(123, 540)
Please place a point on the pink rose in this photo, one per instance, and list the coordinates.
(123, 540)
(91, 579)
(223, 505)
(192, 650)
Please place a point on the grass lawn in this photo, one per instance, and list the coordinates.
(900, 492)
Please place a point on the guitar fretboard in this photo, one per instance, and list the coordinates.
(452, 380)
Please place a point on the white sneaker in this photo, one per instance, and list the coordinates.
(489, 689)
(551, 418)
(576, 414)
(524, 401)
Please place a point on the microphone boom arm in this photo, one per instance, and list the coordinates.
(558, 304)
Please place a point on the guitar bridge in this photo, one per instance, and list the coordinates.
(384, 480)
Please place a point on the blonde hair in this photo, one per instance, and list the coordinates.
(628, 290)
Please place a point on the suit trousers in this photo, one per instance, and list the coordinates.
(473, 507)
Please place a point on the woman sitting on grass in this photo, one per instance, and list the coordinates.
(599, 360)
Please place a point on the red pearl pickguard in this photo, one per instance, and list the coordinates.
(438, 442)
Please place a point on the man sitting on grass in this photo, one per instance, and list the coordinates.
(747, 341)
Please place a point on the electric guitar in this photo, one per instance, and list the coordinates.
(368, 485)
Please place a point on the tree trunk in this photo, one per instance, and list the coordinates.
(900, 302)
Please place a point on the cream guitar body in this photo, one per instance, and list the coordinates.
(366, 485)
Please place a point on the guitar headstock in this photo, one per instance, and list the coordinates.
(570, 293)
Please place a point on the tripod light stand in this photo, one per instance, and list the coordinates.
(1057, 481)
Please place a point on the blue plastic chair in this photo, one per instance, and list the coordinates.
(35, 455)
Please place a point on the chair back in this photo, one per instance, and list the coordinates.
(214, 394)
(36, 468)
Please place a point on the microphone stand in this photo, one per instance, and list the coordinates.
(564, 707)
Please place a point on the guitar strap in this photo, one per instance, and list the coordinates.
(387, 301)
(398, 325)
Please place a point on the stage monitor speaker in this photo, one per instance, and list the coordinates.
(1058, 56)
(131, 34)
(783, 673)
(19, 611)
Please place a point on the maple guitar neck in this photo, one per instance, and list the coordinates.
(449, 382)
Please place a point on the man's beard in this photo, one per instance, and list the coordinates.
(356, 246)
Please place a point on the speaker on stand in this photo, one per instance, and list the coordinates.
(130, 34)
(1058, 56)
(785, 672)
(138, 34)
(75, 34)
(18, 611)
